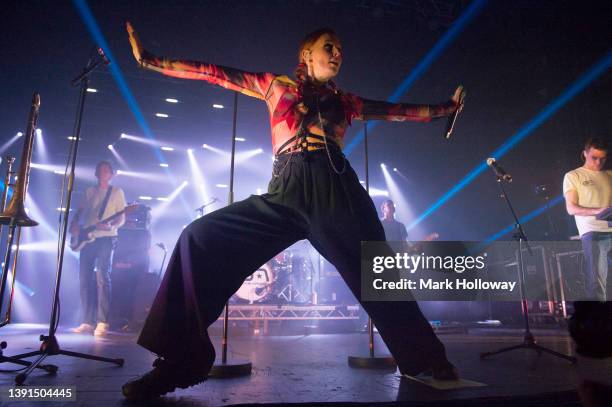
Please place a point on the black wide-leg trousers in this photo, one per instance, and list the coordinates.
(306, 199)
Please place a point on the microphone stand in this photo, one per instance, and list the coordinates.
(161, 268)
(370, 361)
(50, 345)
(529, 341)
(234, 368)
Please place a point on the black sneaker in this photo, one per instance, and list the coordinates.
(164, 378)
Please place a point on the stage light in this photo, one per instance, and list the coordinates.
(362, 182)
(240, 139)
(12, 140)
(204, 145)
(258, 191)
(165, 165)
(145, 198)
(110, 146)
(167, 148)
(38, 132)
(162, 115)
(119, 158)
(402, 207)
(273, 157)
(62, 209)
(217, 106)
(144, 175)
(221, 185)
(171, 100)
(382, 165)
(74, 138)
(215, 150)
(198, 178)
(166, 202)
(144, 140)
(394, 169)
(92, 90)
(378, 192)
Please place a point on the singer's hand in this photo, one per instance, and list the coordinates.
(137, 48)
(458, 98)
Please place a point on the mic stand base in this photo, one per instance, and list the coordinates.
(50, 347)
(529, 342)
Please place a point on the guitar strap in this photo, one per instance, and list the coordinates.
(105, 202)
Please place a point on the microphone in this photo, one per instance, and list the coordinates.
(450, 124)
(499, 171)
(103, 56)
(161, 246)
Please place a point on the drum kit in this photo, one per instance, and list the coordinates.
(288, 278)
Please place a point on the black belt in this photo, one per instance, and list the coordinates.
(304, 145)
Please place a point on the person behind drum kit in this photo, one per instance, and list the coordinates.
(588, 193)
(100, 202)
(394, 231)
(314, 194)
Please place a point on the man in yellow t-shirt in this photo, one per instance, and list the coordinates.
(588, 192)
(100, 202)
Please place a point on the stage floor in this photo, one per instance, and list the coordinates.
(313, 368)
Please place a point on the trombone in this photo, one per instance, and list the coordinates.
(14, 215)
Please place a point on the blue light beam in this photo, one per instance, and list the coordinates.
(449, 36)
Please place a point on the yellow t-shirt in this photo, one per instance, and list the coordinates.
(594, 189)
(91, 204)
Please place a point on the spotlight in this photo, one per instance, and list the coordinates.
(382, 165)
(221, 185)
(204, 145)
(74, 138)
(123, 135)
(165, 165)
(58, 172)
(167, 148)
(19, 134)
(171, 100)
(119, 172)
(38, 132)
(259, 150)
(394, 169)
(240, 139)
(145, 198)
(190, 151)
(217, 106)
(362, 182)
(163, 115)
(162, 198)
(92, 90)
(110, 146)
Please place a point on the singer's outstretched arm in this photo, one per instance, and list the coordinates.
(366, 109)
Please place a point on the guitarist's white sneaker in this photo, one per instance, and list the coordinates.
(83, 329)
(101, 329)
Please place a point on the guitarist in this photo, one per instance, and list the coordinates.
(100, 202)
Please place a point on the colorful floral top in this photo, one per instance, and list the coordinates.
(280, 93)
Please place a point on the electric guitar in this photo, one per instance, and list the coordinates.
(87, 235)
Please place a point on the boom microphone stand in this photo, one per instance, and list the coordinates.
(529, 341)
(370, 361)
(50, 345)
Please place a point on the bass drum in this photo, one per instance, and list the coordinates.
(257, 287)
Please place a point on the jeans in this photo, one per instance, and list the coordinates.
(95, 281)
(598, 255)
